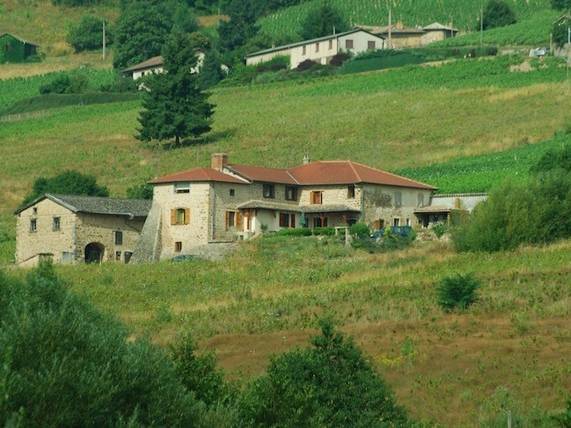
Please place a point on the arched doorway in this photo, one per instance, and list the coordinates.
(94, 253)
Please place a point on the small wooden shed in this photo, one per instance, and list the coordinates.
(15, 49)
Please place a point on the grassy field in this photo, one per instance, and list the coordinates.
(531, 31)
(481, 173)
(266, 298)
(463, 13)
(411, 117)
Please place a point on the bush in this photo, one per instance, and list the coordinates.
(329, 384)
(340, 58)
(275, 64)
(360, 230)
(142, 191)
(459, 291)
(560, 32)
(307, 65)
(440, 229)
(120, 84)
(561, 4)
(323, 231)
(66, 84)
(84, 370)
(498, 13)
(68, 183)
(88, 34)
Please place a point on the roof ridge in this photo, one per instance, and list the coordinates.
(355, 171)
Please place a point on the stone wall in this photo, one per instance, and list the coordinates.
(45, 240)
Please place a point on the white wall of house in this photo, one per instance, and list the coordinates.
(323, 51)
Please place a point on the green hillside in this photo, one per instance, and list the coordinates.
(462, 13)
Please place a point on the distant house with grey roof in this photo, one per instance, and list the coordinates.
(69, 229)
(322, 49)
(400, 37)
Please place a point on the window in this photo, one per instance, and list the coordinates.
(180, 216)
(33, 225)
(371, 45)
(317, 47)
(230, 219)
(118, 237)
(269, 191)
(398, 199)
(420, 200)
(35, 210)
(396, 222)
(287, 220)
(128, 255)
(178, 247)
(351, 191)
(232, 192)
(408, 222)
(330, 44)
(349, 44)
(56, 224)
(118, 256)
(320, 222)
(304, 50)
(182, 187)
(291, 193)
(317, 198)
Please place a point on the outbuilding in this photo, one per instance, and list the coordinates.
(16, 49)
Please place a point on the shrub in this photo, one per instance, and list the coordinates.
(307, 65)
(329, 384)
(498, 13)
(340, 58)
(360, 230)
(83, 371)
(561, 4)
(300, 231)
(275, 64)
(69, 183)
(198, 373)
(440, 229)
(142, 191)
(120, 84)
(66, 84)
(88, 34)
(459, 291)
(560, 32)
(323, 231)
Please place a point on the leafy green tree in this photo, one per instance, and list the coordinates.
(561, 4)
(211, 72)
(322, 21)
(175, 106)
(498, 13)
(67, 183)
(142, 191)
(84, 370)
(140, 33)
(561, 32)
(241, 26)
(330, 384)
(88, 34)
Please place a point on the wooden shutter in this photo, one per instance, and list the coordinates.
(292, 222)
(187, 216)
(173, 216)
(239, 220)
(226, 221)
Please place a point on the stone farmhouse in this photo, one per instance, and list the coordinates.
(401, 37)
(227, 202)
(155, 65)
(71, 229)
(322, 49)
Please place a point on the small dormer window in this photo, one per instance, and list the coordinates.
(35, 210)
(182, 187)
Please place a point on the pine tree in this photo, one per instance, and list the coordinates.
(498, 13)
(175, 106)
(321, 22)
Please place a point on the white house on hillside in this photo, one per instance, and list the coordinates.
(155, 65)
(322, 49)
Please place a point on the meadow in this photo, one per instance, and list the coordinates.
(267, 297)
(483, 172)
(463, 13)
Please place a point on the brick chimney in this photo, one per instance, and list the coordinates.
(306, 159)
(219, 161)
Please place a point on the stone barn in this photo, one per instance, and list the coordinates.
(79, 229)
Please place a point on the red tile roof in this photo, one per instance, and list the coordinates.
(198, 174)
(315, 173)
(258, 173)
